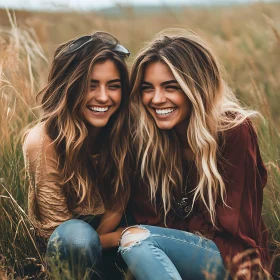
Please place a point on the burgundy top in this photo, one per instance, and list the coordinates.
(239, 226)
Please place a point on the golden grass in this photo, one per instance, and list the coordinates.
(245, 38)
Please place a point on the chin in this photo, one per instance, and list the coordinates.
(97, 123)
(164, 126)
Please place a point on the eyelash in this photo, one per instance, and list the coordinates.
(115, 86)
(173, 87)
(110, 86)
(143, 88)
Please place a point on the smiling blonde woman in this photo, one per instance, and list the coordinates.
(76, 156)
(200, 177)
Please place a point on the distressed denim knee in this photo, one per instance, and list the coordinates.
(156, 253)
(132, 236)
(139, 250)
(75, 246)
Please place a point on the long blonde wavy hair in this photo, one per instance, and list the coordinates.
(214, 109)
(62, 100)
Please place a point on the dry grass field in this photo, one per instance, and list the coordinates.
(246, 39)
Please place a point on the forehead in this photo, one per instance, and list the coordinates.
(157, 71)
(104, 69)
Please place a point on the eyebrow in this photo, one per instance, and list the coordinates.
(162, 84)
(109, 82)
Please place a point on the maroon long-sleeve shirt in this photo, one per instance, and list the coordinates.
(238, 226)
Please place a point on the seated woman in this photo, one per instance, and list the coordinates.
(76, 156)
(201, 175)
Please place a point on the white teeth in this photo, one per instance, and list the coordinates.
(99, 109)
(165, 111)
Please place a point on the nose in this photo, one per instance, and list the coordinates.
(159, 96)
(102, 95)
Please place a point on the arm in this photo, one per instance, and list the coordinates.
(109, 222)
(111, 240)
(47, 202)
(241, 223)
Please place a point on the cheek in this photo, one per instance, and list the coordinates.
(117, 97)
(145, 99)
(87, 95)
(185, 103)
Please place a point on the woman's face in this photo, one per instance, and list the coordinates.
(163, 97)
(104, 94)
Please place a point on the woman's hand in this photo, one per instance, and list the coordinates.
(111, 240)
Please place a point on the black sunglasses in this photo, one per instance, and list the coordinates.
(106, 38)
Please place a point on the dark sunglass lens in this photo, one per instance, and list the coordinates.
(78, 43)
(122, 50)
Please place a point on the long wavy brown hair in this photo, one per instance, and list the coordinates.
(62, 100)
(214, 109)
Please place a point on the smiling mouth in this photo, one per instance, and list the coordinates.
(164, 112)
(97, 109)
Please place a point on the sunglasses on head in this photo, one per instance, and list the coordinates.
(106, 38)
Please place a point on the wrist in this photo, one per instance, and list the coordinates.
(117, 238)
(110, 240)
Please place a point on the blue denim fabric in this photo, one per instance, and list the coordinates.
(76, 245)
(173, 254)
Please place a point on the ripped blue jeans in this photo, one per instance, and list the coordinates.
(158, 253)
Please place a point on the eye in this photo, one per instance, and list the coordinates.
(171, 88)
(146, 88)
(114, 86)
(93, 86)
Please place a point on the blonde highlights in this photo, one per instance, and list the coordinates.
(62, 102)
(214, 109)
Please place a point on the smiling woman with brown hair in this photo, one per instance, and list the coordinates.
(199, 174)
(76, 156)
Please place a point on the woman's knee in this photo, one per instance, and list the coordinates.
(74, 248)
(74, 235)
(132, 236)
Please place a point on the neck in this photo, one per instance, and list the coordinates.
(92, 139)
(181, 131)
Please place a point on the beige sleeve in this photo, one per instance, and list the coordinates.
(47, 202)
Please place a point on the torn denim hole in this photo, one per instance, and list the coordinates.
(129, 239)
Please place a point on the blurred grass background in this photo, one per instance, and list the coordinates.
(246, 39)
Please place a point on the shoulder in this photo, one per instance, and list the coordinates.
(240, 141)
(36, 138)
(39, 151)
(241, 134)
